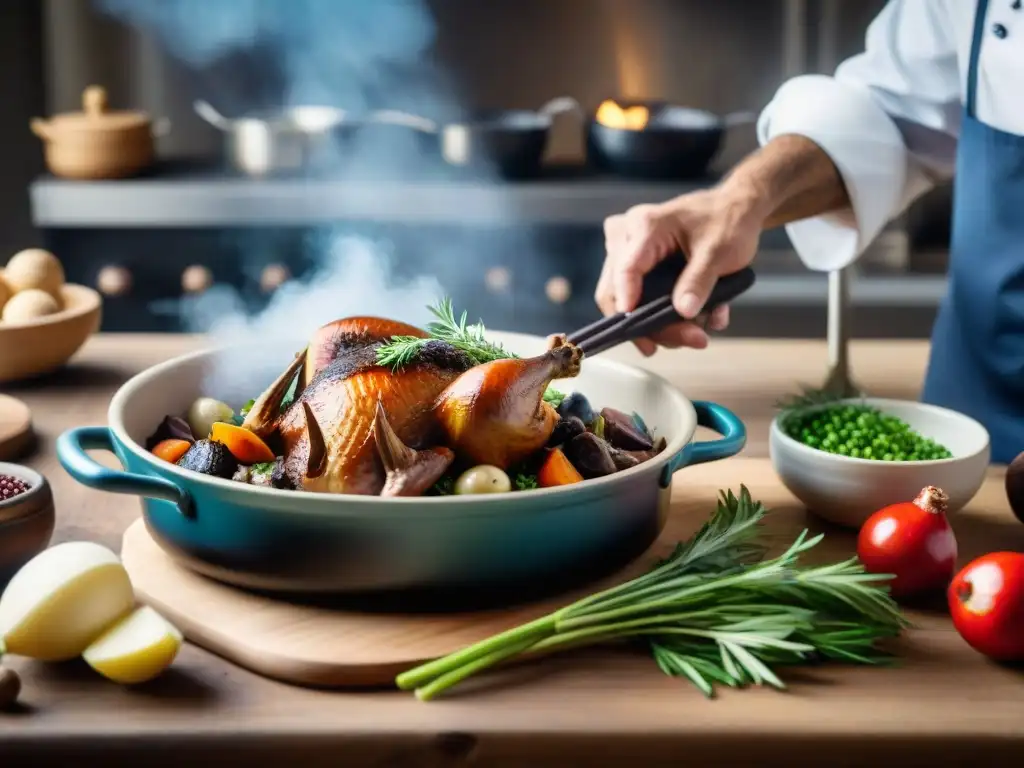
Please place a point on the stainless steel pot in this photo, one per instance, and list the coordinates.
(287, 141)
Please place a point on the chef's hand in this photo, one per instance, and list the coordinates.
(716, 229)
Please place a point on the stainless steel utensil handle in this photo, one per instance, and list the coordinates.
(405, 119)
(206, 111)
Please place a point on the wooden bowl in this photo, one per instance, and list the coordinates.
(44, 345)
(26, 521)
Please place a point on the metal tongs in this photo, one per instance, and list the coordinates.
(655, 310)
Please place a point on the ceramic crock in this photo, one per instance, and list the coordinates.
(98, 143)
(289, 541)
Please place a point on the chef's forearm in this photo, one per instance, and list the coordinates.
(789, 179)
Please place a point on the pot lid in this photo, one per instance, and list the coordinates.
(96, 115)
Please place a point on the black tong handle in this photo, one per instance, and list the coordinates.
(656, 311)
(661, 281)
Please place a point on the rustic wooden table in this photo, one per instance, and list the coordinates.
(942, 705)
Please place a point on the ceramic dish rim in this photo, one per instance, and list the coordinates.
(806, 450)
(39, 484)
(493, 500)
(91, 302)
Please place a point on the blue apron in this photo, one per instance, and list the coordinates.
(977, 352)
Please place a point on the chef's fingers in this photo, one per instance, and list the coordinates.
(697, 281)
(639, 256)
(681, 335)
(646, 346)
(604, 293)
(719, 319)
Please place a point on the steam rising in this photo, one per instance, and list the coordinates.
(353, 54)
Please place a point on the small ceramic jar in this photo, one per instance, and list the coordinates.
(26, 521)
(98, 143)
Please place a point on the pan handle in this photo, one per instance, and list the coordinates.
(736, 119)
(406, 119)
(561, 105)
(206, 111)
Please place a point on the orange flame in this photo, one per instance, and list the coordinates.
(630, 119)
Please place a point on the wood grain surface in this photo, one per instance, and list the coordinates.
(15, 428)
(944, 705)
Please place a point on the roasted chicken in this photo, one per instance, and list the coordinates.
(358, 427)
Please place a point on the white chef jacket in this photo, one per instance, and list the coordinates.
(890, 116)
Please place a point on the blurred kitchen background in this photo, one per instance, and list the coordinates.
(522, 253)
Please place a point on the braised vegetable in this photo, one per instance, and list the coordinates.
(209, 458)
(576, 404)
(243, 444)
(566, 429)
(204, 412)
(590, 455)
(171, 428)
(171, 450)
(557, 470)
(483, 479)
(621, 431)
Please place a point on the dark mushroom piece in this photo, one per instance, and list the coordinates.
(209, 458)
(171, 428)
(590, 455)
(565, 430)
(621, 431)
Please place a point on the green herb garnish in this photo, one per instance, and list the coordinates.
(445, 486)
(713, 612)
(524, 482)
(399, 351)
(263, 468)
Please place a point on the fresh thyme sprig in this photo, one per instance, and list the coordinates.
(712, 612)
(399, 351)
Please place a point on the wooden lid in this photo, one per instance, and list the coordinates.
(15, 428)
(97, 116)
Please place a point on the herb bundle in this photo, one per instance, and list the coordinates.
(469, 339)
(715, 611)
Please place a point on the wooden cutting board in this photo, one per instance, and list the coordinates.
(16, 433)
(325, 647)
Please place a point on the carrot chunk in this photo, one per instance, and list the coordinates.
(244, 445)
(171, 450)
(557, 470)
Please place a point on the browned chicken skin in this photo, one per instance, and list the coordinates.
(357, 427)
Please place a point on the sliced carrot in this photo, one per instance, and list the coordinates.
(244, 445)
(557, 470)
(171, 450)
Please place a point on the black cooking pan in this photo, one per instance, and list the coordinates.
(656, 139)
(511, 142)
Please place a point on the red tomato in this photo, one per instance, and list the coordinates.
(913, 541)
(986, 601)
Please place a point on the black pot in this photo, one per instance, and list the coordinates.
(509, 142)
(676, 142)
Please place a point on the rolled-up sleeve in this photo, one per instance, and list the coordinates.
(887, 119)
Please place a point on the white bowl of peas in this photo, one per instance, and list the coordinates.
(847, 459)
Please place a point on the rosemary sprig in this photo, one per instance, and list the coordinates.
(712, 612)
(468, 338)
(399, 351)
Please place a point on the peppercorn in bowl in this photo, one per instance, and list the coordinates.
(846, 459)
(26, 517)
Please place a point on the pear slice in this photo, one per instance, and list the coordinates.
(135, 649)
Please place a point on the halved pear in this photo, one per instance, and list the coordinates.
(136, 649)
(63, 599)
